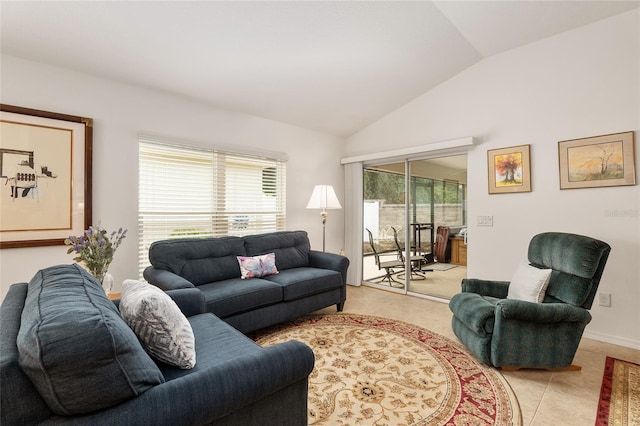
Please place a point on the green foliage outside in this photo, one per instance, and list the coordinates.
(190, 232)
(390, 187)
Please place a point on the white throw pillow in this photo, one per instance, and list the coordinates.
(529, 283)
(159, 324)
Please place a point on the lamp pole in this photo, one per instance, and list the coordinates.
(323, 216)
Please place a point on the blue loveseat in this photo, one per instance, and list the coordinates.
(307, 280)
(69, 358)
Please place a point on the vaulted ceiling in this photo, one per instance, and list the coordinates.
(330, 66)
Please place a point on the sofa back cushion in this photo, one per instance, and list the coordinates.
(78, 352)
(291, 248)
(199, 260)
(20, 402)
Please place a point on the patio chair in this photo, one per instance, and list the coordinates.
(390, 267)
(416, 259)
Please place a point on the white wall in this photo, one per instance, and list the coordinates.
(120, 112)
(578, 84)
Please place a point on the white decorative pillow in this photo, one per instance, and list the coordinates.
(257, 266)
(529, 283)
(158, 323)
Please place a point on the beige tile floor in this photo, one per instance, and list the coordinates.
(546, 398)
(443, 284)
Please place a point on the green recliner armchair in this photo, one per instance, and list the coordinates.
(512, 333)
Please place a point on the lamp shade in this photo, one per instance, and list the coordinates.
(323, 197)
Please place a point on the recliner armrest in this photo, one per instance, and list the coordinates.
(541, 312)
(497, 289)
(165, 280)
(324, 260)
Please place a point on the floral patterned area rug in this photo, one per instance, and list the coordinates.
(619, 403)
(376, 371)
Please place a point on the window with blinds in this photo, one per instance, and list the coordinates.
(193, 192)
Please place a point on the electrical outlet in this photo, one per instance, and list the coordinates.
(605, 299)
(485, 220)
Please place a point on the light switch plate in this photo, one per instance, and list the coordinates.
(485, 220)
(605, 299)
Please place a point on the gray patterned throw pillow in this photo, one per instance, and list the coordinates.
(159, 323)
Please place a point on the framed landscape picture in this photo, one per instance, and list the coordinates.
(607, 160)
(509, 169)
(45, 170)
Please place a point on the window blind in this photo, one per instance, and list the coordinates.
(195, 192)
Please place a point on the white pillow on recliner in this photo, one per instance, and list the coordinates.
(529, 283)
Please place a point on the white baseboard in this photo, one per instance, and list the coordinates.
(607, 338)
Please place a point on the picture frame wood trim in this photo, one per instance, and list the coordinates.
(524, 185)
(578, 160)
(87, 170)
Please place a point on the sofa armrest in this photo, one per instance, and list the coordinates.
(541, 312)
(497, 289)
(189, 300)
(204, 396)
(324, 260)
(164, 279)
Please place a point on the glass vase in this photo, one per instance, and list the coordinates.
(107, 283)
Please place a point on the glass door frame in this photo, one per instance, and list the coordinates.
(372, 166)
(408, 235)
(410, 206)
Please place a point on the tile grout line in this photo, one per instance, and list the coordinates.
(546, 388)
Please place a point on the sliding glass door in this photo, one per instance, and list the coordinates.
(408, 207)
(384, 214)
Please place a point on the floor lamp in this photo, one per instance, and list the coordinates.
(323, 197)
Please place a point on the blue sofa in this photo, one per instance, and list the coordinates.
(307, 280)
(69, 358)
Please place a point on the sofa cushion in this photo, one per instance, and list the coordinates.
(199, 260)
(302, 282)
(158, 322)
(20, 402)
(230, 297)
(79, 353)
(291, 248)
(216, 343)
(257, 266)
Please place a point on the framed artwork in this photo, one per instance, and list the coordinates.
(45, 176)
(607, 160)
(509, 169)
